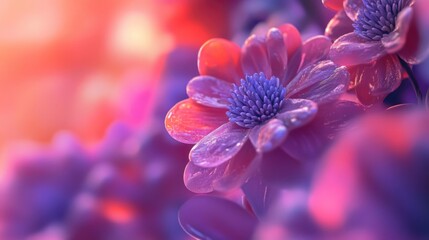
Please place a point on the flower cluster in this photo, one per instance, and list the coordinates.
(275, 94)
(264, 118)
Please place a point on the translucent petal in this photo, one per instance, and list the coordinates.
(259, 195)
(321, 82)
(339, 25)
(280, 169)
(219, 146)
(416, 48)
(292, 39)
(351, 7)
(336, 117)
(269, 136)
(189, 122)
(297, 112)
(315, 49)
(375, 81)
(254, 56)
(207, 217)
(309, 141)
(226, 176)
(277, 52)
(209, 91)
(220, 58)
(333, 4)
(396, 39)
(351, 49)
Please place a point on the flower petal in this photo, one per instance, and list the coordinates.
(351, 7)
(292, 67)
(219, 146)
(280, 169)
(268, 136)
(416, 48)
(220, 58)
(351, 49)
(238, 169)
(277, 52)
(309, 141)
(207, 217)
(333, 4)
(297, 112)
(336, 118)
(375, 81)
(321, 82)
(254, 56)
(189, 122)
(396, 39)
(259, 194)
(226, 176)
(293, 43)
(292, 39)
(315, 49)
(209, 91)
(339, 25)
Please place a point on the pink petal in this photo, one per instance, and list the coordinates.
(339, 25)
(207, 217)
(254, 56)
(219, 146)
(321, 82)
(375, 81)
(292, 67)
(280, 169)
(313, 139)
(209, 91)
(337, 117)
(293, 43)
(239, 168)
(227, 176)
(351, 49)
(307, 142)
(416, 48)
(351, 7)
(220, 58)
(315, 49)
(292, 39)
(189, 122)
(333, 4)
(297, 112)
(396, 39)
(259, 195)
(277, 53)
(268, 136)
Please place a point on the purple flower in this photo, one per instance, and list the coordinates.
(370, 35)
(273, 95)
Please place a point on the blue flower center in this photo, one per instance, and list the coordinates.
(377, 18)
(256, 100)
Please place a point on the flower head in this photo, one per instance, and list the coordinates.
(370, 36)
(249, 102)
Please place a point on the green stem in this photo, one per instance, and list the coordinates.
(413, 79)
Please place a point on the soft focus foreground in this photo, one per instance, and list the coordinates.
(303, 115)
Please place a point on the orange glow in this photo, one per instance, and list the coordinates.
(118, 212)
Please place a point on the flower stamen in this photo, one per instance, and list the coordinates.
(256, 100)
(377, 18)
